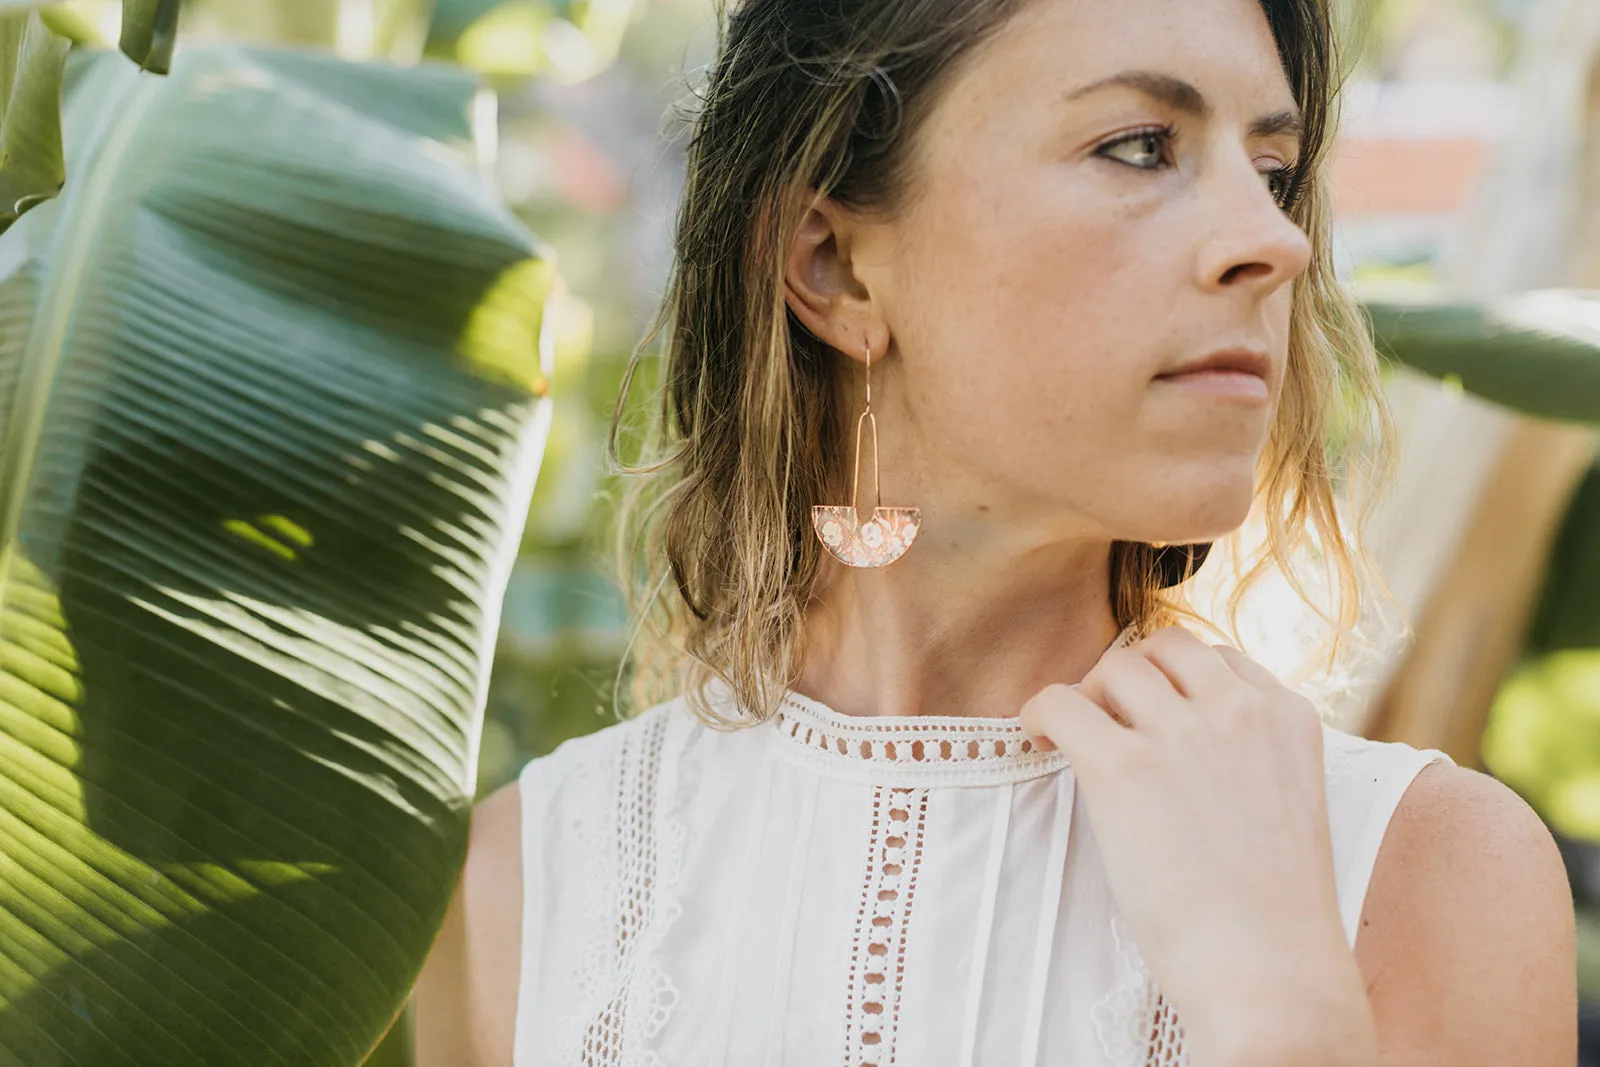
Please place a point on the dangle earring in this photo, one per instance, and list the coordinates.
(883, 538)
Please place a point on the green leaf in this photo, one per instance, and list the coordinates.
(149, 31)
(1537, 352)
(1568, 612)
(72, 21)
(31, 165)
(272, 402)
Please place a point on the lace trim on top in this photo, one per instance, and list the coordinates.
(628, 891)
(912, 750)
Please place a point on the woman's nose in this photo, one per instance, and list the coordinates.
(1252, 242)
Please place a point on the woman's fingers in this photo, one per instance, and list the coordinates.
(1059, 716)
(1126, 683)
(1248, 669)
(1194, 667)
(1169, 673)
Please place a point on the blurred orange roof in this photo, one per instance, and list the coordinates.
(1394, 176)
(1415, 148)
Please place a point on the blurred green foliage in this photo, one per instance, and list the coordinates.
(1543, 733)
(1543, 738)
(507, 40)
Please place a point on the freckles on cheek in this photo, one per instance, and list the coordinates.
(1055, 232)
(1088, 307)
(1080, 272)
(1027, 257)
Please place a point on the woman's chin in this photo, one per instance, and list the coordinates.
(1189, 521)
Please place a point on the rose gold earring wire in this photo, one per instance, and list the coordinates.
(883, 538)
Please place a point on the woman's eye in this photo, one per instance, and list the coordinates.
(1146, 144)
(1283, 184)
(1146, 150)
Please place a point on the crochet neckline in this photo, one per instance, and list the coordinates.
(911, 750)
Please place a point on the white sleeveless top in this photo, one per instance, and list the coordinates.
(861, 891)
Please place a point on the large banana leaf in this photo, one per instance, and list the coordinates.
(272, 401)
(1537, 352)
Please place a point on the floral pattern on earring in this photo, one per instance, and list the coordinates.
(881, 539)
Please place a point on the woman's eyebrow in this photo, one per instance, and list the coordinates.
(1183, 96)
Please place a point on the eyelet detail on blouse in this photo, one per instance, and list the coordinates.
(878, 950)
(915, 751)
(909, 752)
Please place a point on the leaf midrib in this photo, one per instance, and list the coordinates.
(82, 211)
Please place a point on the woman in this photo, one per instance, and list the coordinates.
(951, 786)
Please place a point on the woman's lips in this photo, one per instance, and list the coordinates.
(1228, 384)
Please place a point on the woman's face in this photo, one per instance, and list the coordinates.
(1060, 251)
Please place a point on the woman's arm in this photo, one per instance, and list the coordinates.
(465, 1003)
(1467, 937)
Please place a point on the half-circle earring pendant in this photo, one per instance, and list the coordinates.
(883, 538)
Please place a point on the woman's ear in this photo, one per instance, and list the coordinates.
(822, 285)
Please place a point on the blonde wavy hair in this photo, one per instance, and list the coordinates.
(714, 547)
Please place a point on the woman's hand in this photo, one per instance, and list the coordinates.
(1203, 780)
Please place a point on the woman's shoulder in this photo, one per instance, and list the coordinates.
(1464, 852)
(1349, 758)
(1367, 782)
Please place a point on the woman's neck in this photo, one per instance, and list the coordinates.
(973, 622)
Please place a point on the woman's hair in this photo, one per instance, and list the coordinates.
(715, 550)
